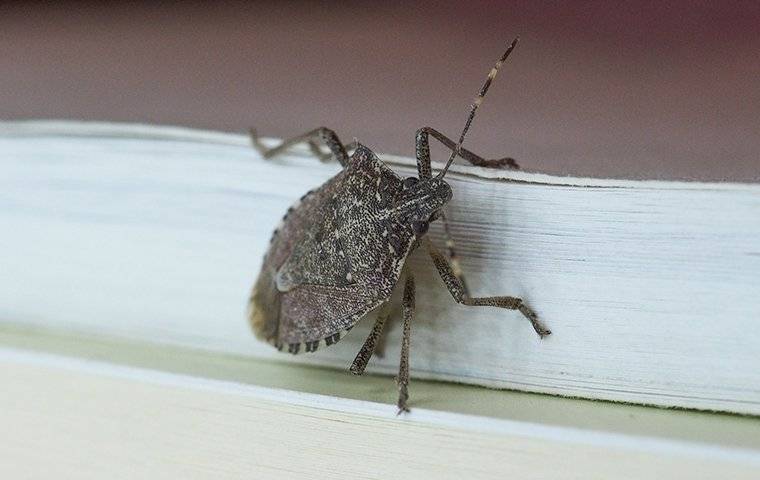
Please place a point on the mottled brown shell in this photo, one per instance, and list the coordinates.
(336, 256)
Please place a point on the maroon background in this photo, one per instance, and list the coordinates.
(638, 90)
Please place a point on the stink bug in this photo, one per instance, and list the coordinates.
(340, 250)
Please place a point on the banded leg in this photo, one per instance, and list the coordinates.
(424, 170)
(457, 290)
(362, 358)
(326, 157)
(325, 135)
(453, 257)
(422, 151)
(403, 369)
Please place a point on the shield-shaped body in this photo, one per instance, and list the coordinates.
(336, 256)
(340, 250)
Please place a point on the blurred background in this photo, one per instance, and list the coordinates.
(635, 90)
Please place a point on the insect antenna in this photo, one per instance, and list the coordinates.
(476, 104)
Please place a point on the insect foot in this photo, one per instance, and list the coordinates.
(340, 251)
(540, 329)
(403, 396)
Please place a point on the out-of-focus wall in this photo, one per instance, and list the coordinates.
(640, 90)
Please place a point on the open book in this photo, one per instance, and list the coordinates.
(157, 234)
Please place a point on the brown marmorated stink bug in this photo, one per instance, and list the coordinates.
(340, 250)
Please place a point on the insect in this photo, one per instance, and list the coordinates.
(340, 251)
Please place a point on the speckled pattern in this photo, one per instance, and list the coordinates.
(341, 249)
(339, 252)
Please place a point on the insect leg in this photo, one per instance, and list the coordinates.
(326, 157)
(362, 358)
(403, 370)
(457, 290)
(453, 257)
(324, 135)
(422, 150)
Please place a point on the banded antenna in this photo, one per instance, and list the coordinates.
(476, 104)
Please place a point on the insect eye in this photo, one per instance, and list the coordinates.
(420, 228)
(410, 182)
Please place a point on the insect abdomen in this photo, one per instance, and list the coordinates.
(264, 307)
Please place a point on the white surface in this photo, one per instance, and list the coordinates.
(127, 422)
(650, 288)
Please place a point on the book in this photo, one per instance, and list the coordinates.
(156, 234)
(83, 406)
